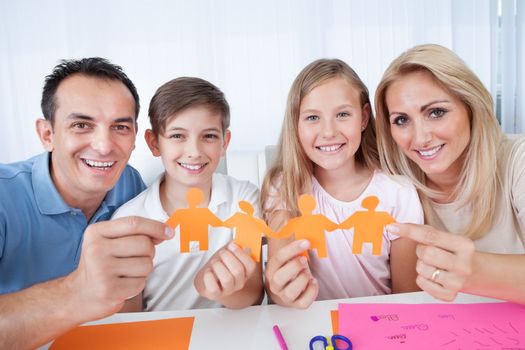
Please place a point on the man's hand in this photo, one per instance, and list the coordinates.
(117, 256)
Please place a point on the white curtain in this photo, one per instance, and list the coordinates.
(251, 49)
(511, 60)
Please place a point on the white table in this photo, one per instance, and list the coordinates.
(251, 328)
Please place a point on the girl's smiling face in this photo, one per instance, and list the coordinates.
(331, 120)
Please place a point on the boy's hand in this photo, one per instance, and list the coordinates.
(227, 272)
(288, 276)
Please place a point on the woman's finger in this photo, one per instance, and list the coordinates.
(435, 289)
(437, 257)
(430, 236)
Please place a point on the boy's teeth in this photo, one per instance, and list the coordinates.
(191, 167)
(96, 164)
(430, 152)
(329, 148)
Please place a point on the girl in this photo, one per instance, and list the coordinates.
(436, 125)
(328, 149)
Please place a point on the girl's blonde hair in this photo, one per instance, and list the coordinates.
(478, 179)
(292, 170)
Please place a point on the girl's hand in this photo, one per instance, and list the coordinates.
(227, 272)
(288, 276)
(444, 262)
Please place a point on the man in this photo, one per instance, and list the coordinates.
(61, 263)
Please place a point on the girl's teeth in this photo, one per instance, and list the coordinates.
(329, 148)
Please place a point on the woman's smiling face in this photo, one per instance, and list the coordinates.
(429, 124)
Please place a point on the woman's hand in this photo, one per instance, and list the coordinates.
(445, 261)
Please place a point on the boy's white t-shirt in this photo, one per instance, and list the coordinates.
(170, 285)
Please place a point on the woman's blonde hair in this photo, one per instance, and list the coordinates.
(478, 179)
(292, 170)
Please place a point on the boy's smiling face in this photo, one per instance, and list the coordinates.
(191, 146)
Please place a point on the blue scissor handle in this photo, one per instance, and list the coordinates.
(342, 338)
(334, 338)
(317, 339)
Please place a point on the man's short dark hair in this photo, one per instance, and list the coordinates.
(96, 67)
(182, 93)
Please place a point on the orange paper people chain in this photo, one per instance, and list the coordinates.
(194, 223)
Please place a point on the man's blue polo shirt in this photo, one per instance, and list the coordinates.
(40, 235)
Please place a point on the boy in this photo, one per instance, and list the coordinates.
(190, 119)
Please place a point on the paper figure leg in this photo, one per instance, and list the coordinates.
(184, 244)
(256, 253)
(376, 248)
(357, 246)
(321, 251)
(203, 244)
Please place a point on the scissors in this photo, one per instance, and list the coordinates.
(336, 341)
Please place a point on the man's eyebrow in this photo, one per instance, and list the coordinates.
(89, 118)
(79, 116)
(124, 120)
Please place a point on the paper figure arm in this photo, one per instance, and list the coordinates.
(213, 220)
(329, 225)
(389, 219)
(268, 232)
(173, 220)
(288, 229)
(348, 223)
(231, 222)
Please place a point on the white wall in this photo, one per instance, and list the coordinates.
(251, 49)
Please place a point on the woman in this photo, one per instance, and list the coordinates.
(436, 125)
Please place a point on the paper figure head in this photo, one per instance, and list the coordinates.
(246, 207)
(306, 204)
(194, 197)
(370, 203)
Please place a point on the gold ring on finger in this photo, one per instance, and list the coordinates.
(435, 275)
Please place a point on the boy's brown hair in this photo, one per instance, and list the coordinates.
(182, 93)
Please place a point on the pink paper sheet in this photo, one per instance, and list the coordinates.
(434, 326)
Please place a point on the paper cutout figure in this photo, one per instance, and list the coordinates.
(193, 221)
(309, 226)
(156, 334)
(368, 226)
(248, 229)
